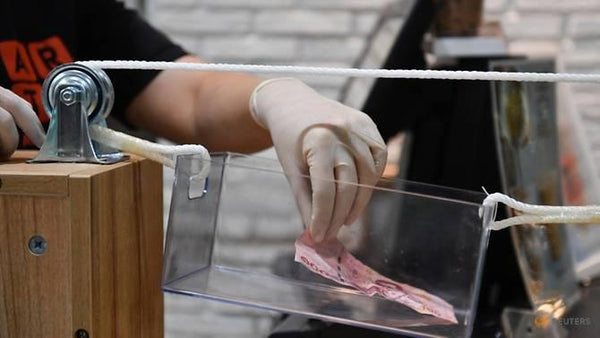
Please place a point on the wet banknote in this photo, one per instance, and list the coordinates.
(331, 260)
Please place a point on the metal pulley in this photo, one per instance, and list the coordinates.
(76, 96)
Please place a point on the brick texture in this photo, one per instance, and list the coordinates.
(335, 33)
(584, 25)
(318, 32)
(303, 22)
(538, 26)
(556, 5)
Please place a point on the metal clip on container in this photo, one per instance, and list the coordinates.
(75, 97)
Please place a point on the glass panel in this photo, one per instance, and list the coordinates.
(236, 244)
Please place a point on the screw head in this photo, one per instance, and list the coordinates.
(37, 245)
(67, 96)
(81, 333)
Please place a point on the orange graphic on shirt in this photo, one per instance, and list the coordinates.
(16, 61)
(48, 54)
(27, 64)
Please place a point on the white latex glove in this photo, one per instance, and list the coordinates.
(322, 138)
(15, 111)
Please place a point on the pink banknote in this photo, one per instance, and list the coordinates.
(331, 260)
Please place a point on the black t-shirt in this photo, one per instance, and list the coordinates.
(38, 35)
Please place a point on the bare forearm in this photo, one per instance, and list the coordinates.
(209, 108)
(222, 114)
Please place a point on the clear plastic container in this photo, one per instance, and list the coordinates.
(231, 238)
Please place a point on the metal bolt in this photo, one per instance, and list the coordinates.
(67, 96)
(81, 333)
(37, 245)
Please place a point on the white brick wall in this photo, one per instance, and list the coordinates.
(492, 6)
(303, 22)
(308, 32)
(564, 6)
(251, 47)
(333, 33)
(584, 25)
(200, 21)
(535, 26)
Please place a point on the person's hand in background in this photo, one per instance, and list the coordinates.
(15, 111)
(327, 140)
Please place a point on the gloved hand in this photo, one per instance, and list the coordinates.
(322, 138)
(15, 111)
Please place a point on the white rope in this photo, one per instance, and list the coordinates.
(162, 153)
(347, 72)
(529, 214)
(541, 214)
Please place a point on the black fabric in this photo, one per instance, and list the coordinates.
(38, 35)
(386, 102)
(108, 31)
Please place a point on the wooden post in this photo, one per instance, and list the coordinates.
(95, 268)
(457, 17)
